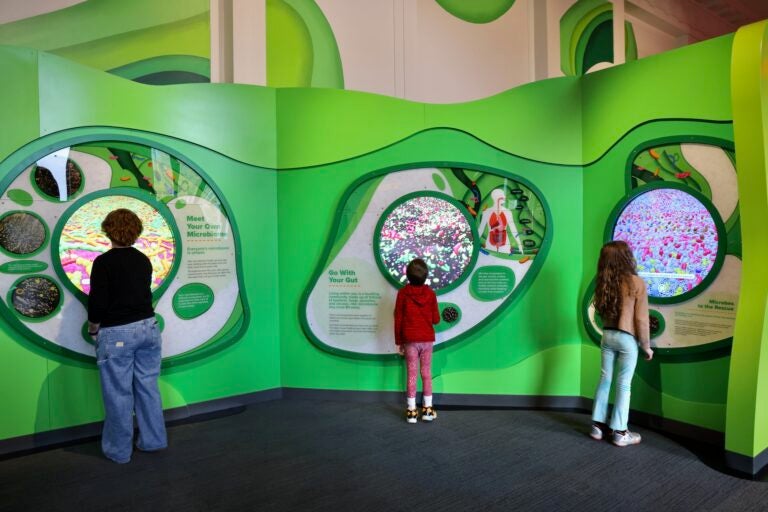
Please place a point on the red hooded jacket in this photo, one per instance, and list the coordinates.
(415, 314)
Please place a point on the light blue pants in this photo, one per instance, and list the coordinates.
(622, 346)
(128, 357)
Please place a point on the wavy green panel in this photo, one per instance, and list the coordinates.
(573, 25)
(477, 11)
(289, 47)
(630, 42)
(747, 422)
(93, 20)
(326, 61)
(185, 37)
(541, 121)
(164, 63)
(617, 99)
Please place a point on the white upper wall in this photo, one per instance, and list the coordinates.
(13, 10)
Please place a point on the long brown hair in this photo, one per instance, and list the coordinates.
(614, 268)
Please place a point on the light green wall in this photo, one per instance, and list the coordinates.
(283, 158)
(747, 425)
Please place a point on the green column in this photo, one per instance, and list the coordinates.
(746, 434)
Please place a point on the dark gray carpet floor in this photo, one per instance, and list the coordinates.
(322, 455)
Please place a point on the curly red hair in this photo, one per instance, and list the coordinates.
(122, 227)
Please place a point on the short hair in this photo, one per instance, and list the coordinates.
(417, 271)
(122, 227)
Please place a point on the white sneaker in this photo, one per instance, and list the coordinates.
(411, 416)
(626, 439)
(428, 414)
(596, 433)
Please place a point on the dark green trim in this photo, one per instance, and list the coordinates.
(12, 288)
(538, 261)
(439, 195)
(46, 240)
(662, 322)
(164, 63)
(724, 144)
(31, 152)
(721, 235)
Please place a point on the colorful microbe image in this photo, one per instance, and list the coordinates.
(21, 233)
(35, 297)
(430, 228)
(673, 237)
(82, 240)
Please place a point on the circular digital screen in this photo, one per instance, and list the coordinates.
(35, 297)
(673, 237)
(82, 239)
(430, 228)
(21, 233)
(49, 186)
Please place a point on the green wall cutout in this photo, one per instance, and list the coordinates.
(477, 11)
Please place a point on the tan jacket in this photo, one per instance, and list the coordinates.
(634, 312)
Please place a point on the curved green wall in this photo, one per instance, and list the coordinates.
(284, 158)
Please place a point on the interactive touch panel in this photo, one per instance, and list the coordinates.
(432, 228)
(673, 237)
(82, 239)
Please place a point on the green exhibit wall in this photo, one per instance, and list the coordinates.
(285, 160)
(54, 391)
(747, 416)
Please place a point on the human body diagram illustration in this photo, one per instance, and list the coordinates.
(501, 227)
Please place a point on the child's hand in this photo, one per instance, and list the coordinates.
(401, 350)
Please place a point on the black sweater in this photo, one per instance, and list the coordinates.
(120, 288)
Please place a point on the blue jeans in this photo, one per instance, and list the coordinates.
(615, 344)
(128, 357)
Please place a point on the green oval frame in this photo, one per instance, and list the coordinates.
(439, 195)
(719, 226)
(9, 302)
(510, 300)
(141, 195)
(37, 251)
(48, 198)
(702, 352)
(34, 150)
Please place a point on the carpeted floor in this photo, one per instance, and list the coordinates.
(323, 455)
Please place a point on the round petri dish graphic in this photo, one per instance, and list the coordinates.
(432, 228)
(82, 240)
(35, 297)
(675, 240)
(50, 186)
(22, 233)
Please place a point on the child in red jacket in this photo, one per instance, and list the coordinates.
(415, 314)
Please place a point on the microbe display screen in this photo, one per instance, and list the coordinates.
(82, 239)
(673, 237)
(430, 228)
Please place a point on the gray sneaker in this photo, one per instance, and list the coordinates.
(626, 439)
(596, 432)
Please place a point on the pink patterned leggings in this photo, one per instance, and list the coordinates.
(415, 353)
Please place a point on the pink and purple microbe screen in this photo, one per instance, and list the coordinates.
(432, 229)
(673, 237)
(82, 240)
